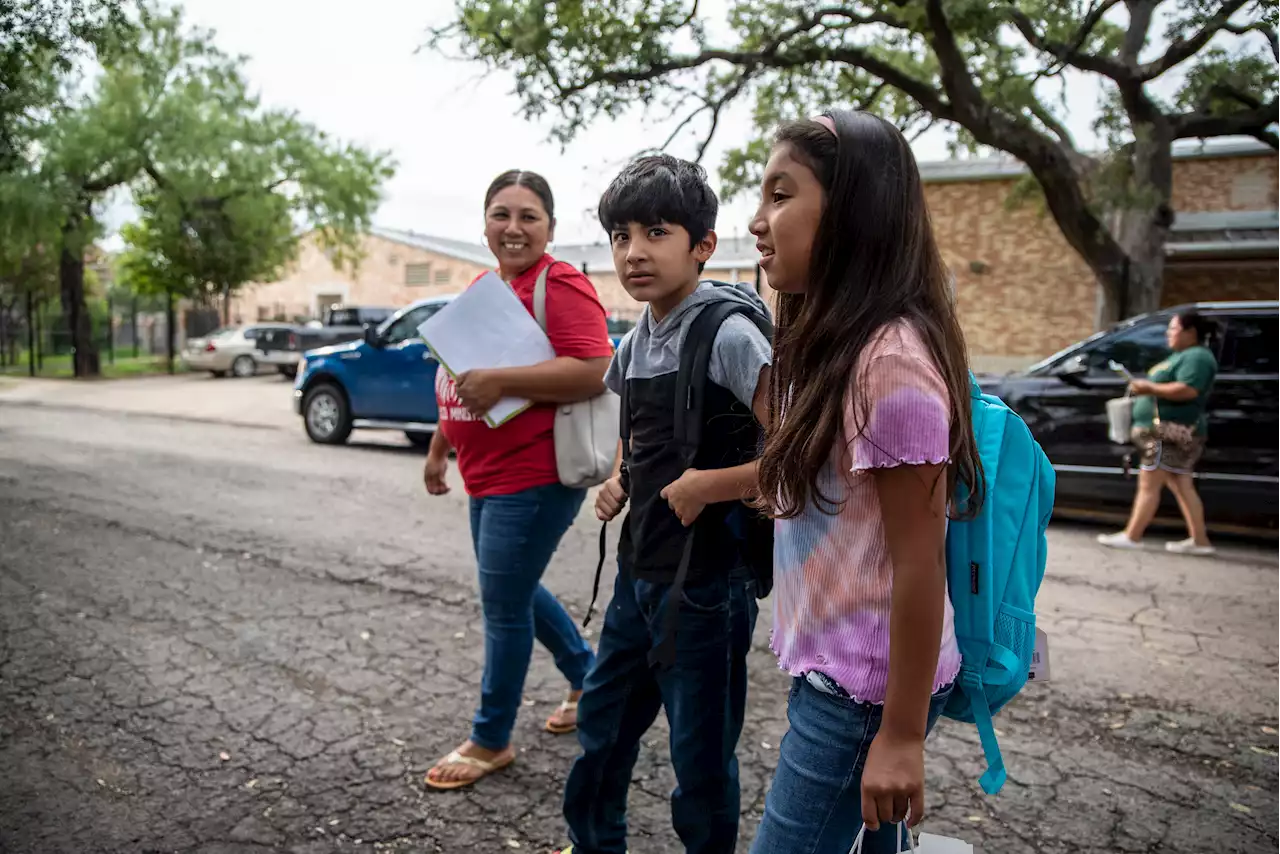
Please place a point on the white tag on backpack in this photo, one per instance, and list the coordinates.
(1039, 671)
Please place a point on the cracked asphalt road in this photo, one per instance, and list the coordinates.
(219, 638)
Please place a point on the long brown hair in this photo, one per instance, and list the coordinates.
(874, 261)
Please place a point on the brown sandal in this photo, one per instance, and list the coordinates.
(559, 728)
(456, 758)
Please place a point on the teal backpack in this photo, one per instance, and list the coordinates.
(995, 563)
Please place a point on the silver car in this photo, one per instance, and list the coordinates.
(231, 350)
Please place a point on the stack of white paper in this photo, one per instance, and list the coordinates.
(486, 326)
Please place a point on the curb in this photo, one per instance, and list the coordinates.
(160, 416)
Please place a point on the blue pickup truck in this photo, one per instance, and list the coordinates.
(384, 381)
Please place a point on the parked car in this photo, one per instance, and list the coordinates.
(232, 350)
(279, 347)
(1063, 399)
(284, 348)
(384, 381)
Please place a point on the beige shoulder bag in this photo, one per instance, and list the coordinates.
(586, 433)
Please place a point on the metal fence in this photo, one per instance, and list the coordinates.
(127, 341)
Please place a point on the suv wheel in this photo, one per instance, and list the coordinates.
(326, 414)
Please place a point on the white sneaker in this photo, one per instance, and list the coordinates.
(1119, 540)
(1189, 547)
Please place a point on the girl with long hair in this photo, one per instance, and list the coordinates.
(869, 437)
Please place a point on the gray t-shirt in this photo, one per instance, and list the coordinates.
(739, 354)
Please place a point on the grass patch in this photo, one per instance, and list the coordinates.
(59, 367)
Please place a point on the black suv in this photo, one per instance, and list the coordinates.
(1063, 401)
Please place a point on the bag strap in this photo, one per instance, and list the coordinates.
(624, 434)
(691, 386)
(695, 364)
(664, 654)
(994, 777)
(595, 585)
(862, 832)
(540, 297)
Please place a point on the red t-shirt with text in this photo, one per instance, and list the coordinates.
(521, 454)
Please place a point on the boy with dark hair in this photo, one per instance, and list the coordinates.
(678, 628)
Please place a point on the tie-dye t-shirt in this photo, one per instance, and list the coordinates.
(833, 577)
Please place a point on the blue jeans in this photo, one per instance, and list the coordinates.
(705, 695)
(514, 537)
(815, 803)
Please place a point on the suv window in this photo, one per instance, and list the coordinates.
(374, 315)
(251, 334)
(1251, 345)
(344, 317)
(1138, 348)
(405, 327)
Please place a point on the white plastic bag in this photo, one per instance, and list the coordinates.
(1120, 419)
(927, 844)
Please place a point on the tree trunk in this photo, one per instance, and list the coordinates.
(226, 305)
(133, 324)
(1142, 227)
(13, 334)
(84, 354)
(169, 323)
(31, 333)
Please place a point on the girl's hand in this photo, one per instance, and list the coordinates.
(479, 391)
(433, 475)
(1141, 387)
(893, 781)
(610, 499)
(685, 497)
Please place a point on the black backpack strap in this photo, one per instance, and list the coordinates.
(695, 364)
(691, 387)
(624, 433)
(595, 585)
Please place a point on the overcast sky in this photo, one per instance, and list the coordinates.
(352, 69)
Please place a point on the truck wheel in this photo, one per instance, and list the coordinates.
(418, 439)
(244, 366)
(326, 414)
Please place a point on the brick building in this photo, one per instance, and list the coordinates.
(1023, 292)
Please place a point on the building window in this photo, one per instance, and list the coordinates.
(442, 277)
(417, 274)
(264, 313)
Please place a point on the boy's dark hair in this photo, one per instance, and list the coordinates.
(661, 188)
(523, 178)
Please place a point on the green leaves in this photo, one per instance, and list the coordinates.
(225, 188)
(581, 61)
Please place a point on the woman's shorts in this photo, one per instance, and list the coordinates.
(1155, 454)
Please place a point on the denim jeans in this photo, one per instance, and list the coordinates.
(704, 693)
(514, 537)
(815, 802)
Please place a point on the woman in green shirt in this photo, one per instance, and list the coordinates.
(1169, 428)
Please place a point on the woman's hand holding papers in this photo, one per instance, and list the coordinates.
(479, 391)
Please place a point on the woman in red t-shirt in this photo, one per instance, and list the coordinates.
(519, 509)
